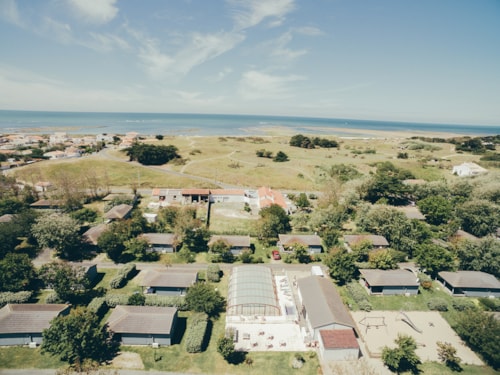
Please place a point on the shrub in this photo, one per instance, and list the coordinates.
(10, 297)
(462, 304)
(124, 274)
(166, 301)
(213, 273)
(112, 300)
(437, 304)
(53, 298)
(98, 305)
(490, 304)
(359, 296)
(196, 332)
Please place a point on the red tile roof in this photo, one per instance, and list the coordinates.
(339, 339)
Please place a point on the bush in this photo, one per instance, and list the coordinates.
(98, 305)
(10, 297)
(166, 301)
(462, 304)
(113, 300)
(359, 296)
(53, 298)
(490, 304)
(196, 332)
(438, 304)
(213, 273)
(124, 274)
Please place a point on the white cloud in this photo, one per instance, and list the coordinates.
(95, 11)
(309, 30)
(57, 30)
(248, 13)
(281, 49)
(255, 85)
(106, 42)
(220, 75)
(10, 13)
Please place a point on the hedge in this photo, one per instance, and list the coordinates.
(213, 273)
(462, 304)
(112, 300)
(196, 332)
(98, 305)
(169, 301)
(438, 304)
(359, 296)
(10, 297)
(490, 304)
(123, 276)
(52, 298)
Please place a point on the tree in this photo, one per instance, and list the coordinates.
(479, 217)
(447, 354)
(225, 347)
(16, 273)
(341, 265)
(481, 255)
(280, 157)
(70, 283)
(386, 185)
(273, 221)
(403, 357)
(480, 331)
(302, 201)
(196, 237)
(330, 236)
(202, 297)
(437, 209)
(137, 247)
(152, 155)
(221, 251)
(84, 215)
(433, 259)
(381, 259)
(300, 253)
(77, 337)
(57, 231)
(111, 243)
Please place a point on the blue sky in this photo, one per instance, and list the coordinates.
(400, 60)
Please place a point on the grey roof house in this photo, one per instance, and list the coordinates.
(143, 325)
(470, 283)
(23, 324)
(311, 241)
(170, 282)
(161, 242)
(92, 235)
(378, 242)
(390, 282)
(322, 306)
(122, 211)
(237, 243)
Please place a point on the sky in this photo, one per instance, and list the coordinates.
(395, 60)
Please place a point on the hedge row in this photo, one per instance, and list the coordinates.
(170, 301)
(196, 332)
(359, 296)
(112, 300)
(53, 297)
(10, 297)
(123, 276)
(437, 304)
(98, 305)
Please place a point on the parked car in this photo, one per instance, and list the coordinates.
(276, 255)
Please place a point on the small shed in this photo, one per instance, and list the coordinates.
(143, 325)
(311, 241)
(237, 244)
(338, 345)
(160, 242)
(468, 170)
(23, 324)
(470, 283)
(169, 282)
(390, 282)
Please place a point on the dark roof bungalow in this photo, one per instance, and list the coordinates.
(470, 283)
(161, 242)
(170, 281)
(92, 235)
(23, 324)
(311, 241)
(143, 325)
(390, 282)
(122, 211)
(377, 241)
(237, 243)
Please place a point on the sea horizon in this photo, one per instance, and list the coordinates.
(153, 123)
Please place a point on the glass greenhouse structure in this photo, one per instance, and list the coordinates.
(252, 292)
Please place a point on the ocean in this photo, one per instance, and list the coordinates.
(38, 122)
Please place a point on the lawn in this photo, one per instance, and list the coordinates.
(176, 359)
(17, 357)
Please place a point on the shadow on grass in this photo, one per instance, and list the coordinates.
(180, 329)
